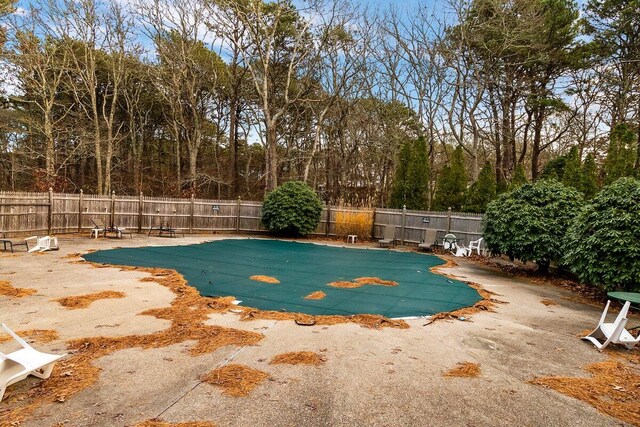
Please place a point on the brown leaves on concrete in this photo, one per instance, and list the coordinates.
(361, 281)
(613, 388)
(265, 279)
(83, 301)
(548, 302)
(7, 290)
(464, 370)
(159, 423)
(316, 295)
(236, 380)
(298, 358)
(39, 335)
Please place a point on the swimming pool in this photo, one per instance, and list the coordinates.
(226, 267)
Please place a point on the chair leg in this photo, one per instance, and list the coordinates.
(44, 372)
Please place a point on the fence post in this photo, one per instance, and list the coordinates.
(404, 223)
(327, 225)
(140, 202)
(238, 207)
(191, 213)
(80, 197)
(113, 209)
(448, 220)
(373, 223)
(50, 212)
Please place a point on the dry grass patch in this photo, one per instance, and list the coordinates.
(548, 302)
(316, 295)
(7, 290)
(83, 301)
(265, 279)
(464, 370)
(361, 281)
(40, 335)
(236, 380)
(298, 358)
(613, 388)
(160, 423)
(359, 223)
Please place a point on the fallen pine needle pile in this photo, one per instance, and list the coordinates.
(487, 303)
(9, 291)
(298, 358)
(548, 302)
(372, 321)
(316, 295)
(613, 388)
(72, 255)
(265, 279)
(187, 313)
(361, 281)
(464, 370)
(84, 301)
(40, 335)
(160, 423)
(236, 380)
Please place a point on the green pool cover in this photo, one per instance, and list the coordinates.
(223, 268)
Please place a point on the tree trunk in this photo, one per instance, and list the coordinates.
(272, 156)
(537, 139)
(50, 151)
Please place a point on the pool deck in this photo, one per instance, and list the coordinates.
(386, 377)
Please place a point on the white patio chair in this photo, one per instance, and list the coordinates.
(460, 251)
(27, 361)
(475, 244)
(606, 333)
(45, 243)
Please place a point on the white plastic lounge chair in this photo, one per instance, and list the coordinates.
(475, 244)
(389, 237)
(27, 361)
(45, 243)
(615, 332)
(428, 239)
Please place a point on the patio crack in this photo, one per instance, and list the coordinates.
(225, 362)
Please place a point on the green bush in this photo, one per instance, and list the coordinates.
(292, 209)
(530, 223)
(604, 241)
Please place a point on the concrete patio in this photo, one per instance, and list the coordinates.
(388, 377)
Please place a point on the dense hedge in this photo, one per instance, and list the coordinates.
(604, 241)
(530, 223)
(292, 209)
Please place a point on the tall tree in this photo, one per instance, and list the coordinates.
(621, 154)
(481, 192)
(451, 185)
(276, 47)
(411, 180)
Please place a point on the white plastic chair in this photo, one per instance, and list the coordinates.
(475, 244)
(45, 243)
(27, 361)
(613, 332)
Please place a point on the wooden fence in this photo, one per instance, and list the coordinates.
(56, 213)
